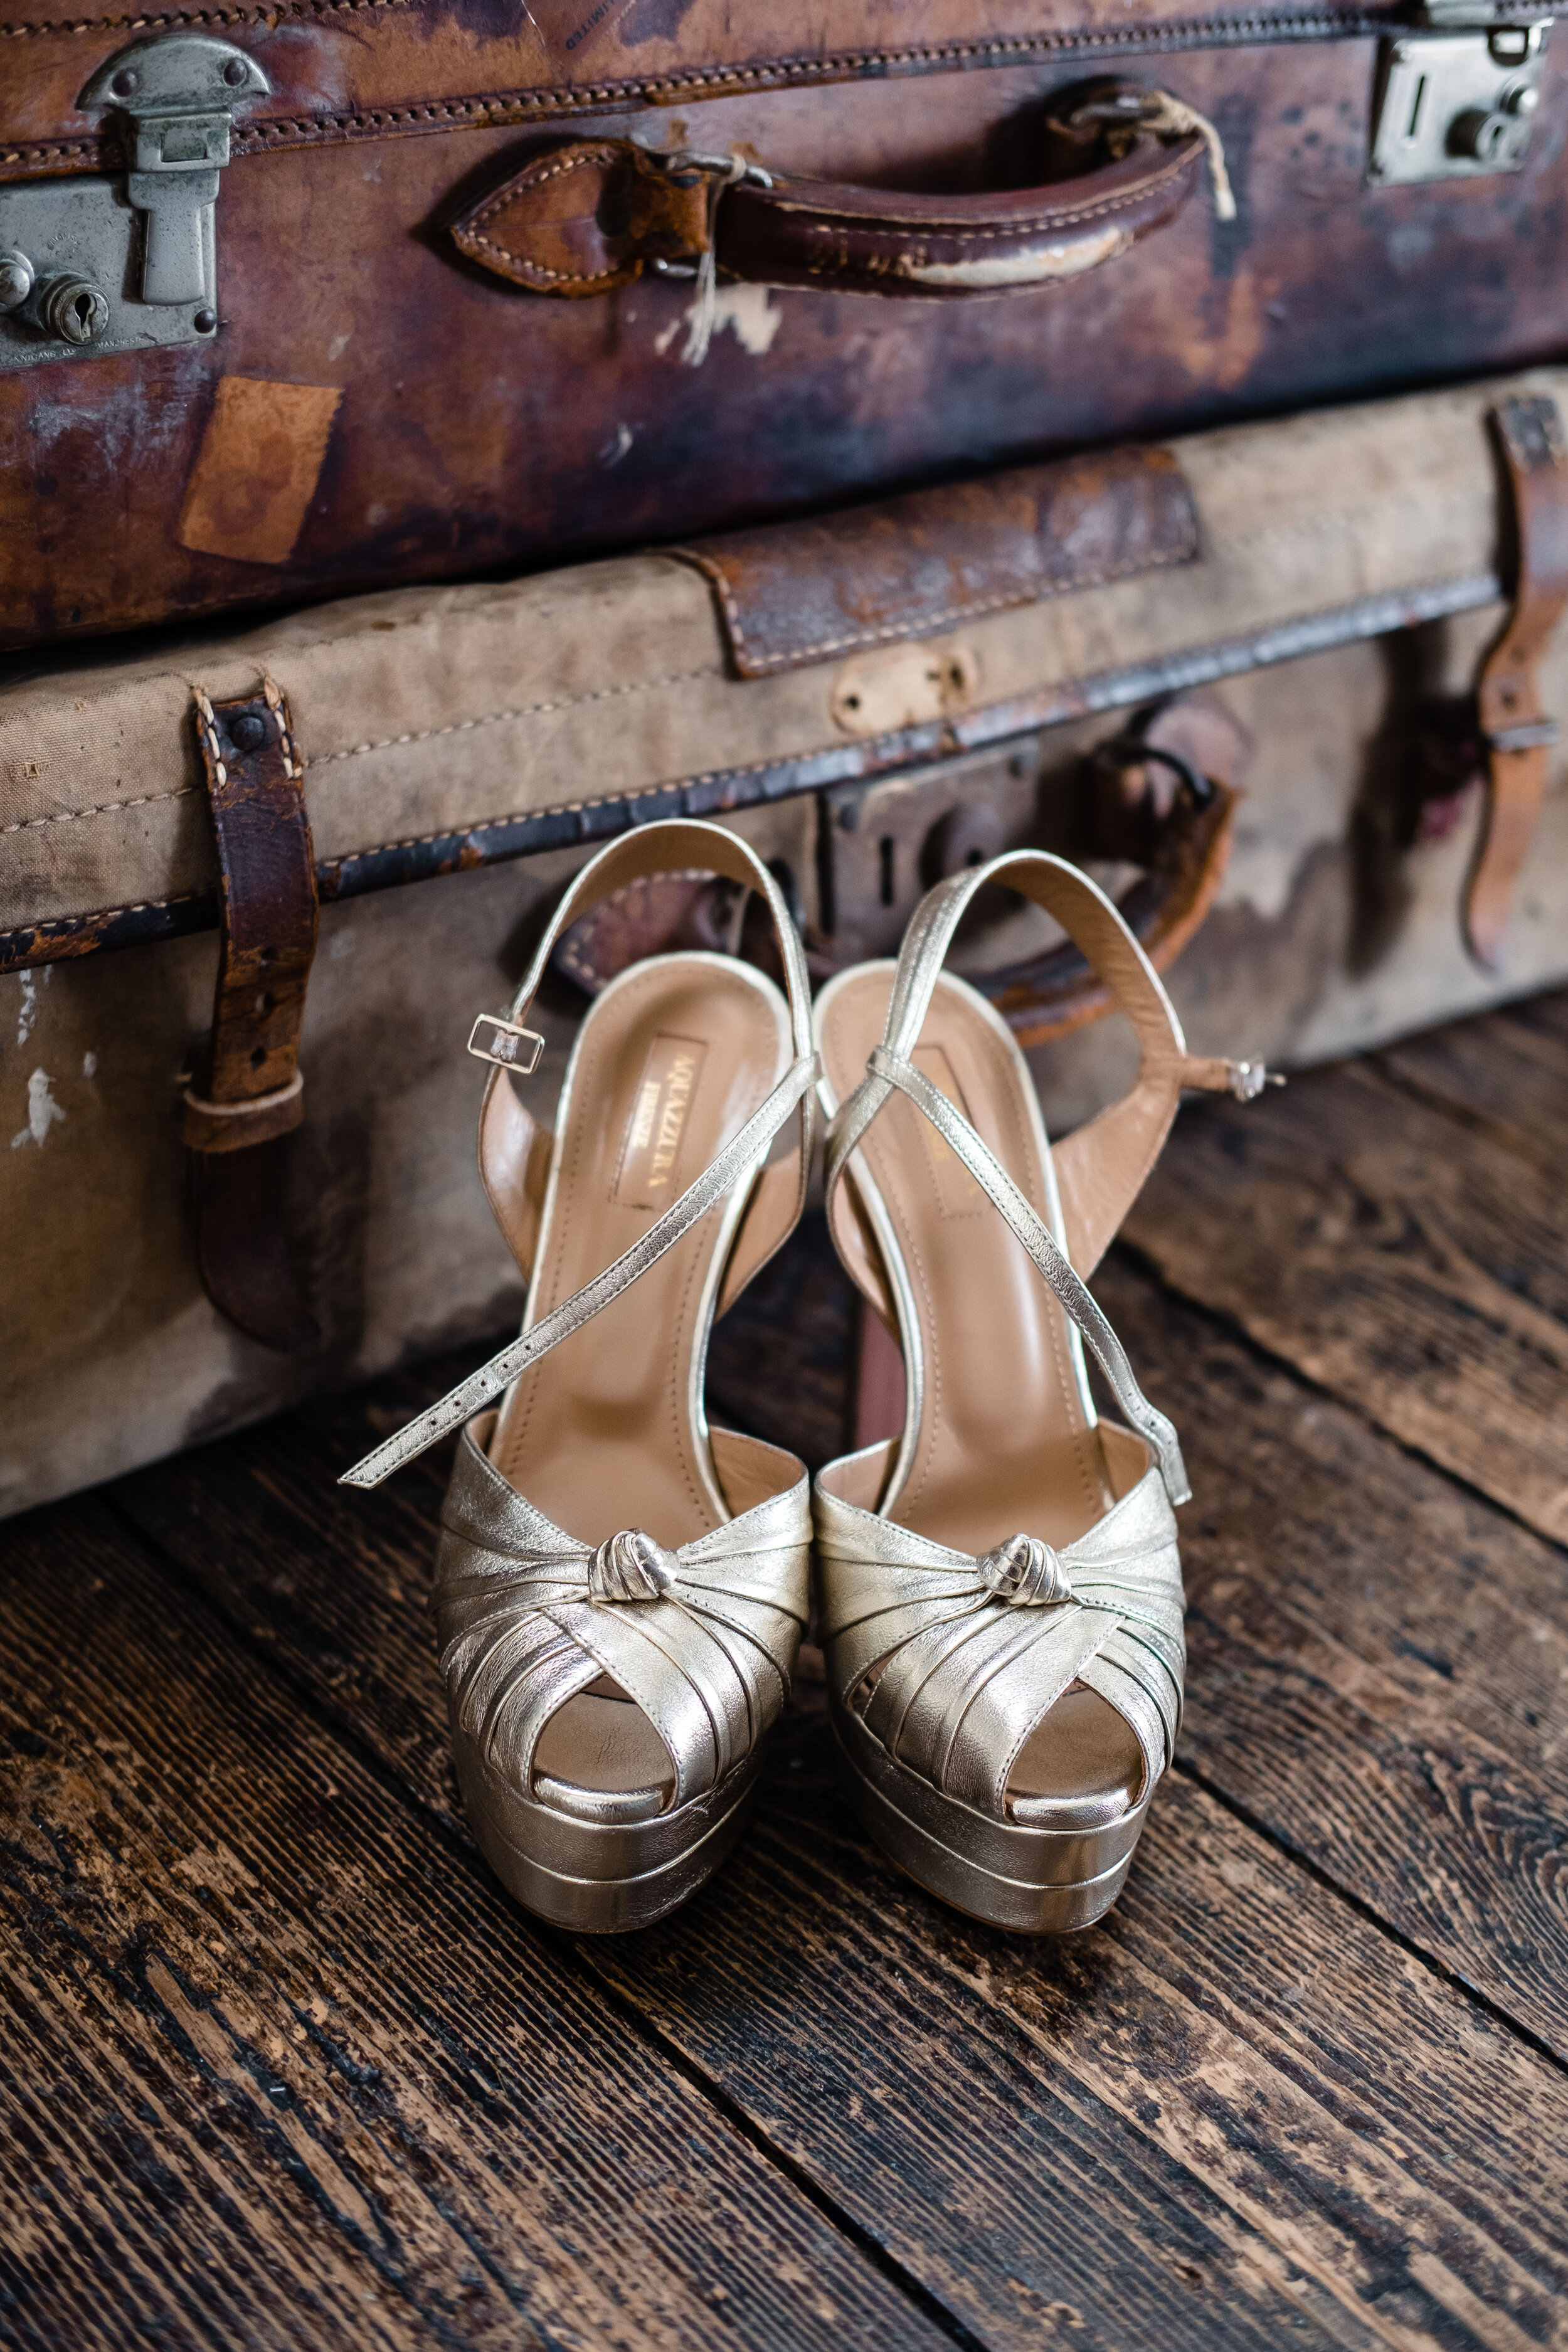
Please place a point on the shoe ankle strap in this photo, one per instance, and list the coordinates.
(1100, 1169)
(888, 1070)
(652, 849)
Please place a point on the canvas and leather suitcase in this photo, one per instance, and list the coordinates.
(355, 818)
(298, 298)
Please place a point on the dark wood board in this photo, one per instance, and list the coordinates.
(281, 2065)
(1378, 1660)
(1398, 1230)
(808, 1954)
(1302, 2080)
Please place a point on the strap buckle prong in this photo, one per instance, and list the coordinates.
(507, 1039)
(1247, 1080)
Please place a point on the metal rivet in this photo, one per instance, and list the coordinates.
(125, 82)
(15, 278)
(205, 322)
(247, 730)
(235, 72)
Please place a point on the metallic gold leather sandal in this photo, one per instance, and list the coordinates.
(621, 1590)
(1002, 1598)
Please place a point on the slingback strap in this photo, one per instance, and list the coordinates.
(653, 849)
(888, 1070)
(1102, 1167)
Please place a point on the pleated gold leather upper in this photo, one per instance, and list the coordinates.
(525, 1622)
(952, 1672)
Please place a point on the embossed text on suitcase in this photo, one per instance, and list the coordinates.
(279, 305)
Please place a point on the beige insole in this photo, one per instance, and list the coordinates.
(670, 1063)
(1005, 1445)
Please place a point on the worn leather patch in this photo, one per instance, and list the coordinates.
(584, 218)
(795, 592)
(256, 469)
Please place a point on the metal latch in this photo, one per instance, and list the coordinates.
(1457, 96)
(101, 265)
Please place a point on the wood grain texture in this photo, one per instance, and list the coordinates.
(1231, 2027)
(1240, 2107)
(1378, 1660)
(281, 2065)
(1393, 1232)
(1214, 2093)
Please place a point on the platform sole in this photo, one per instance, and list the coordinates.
(601, 1880)
(1035, 1882)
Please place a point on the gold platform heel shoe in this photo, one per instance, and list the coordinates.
(1001, 1595)
(620, 1589)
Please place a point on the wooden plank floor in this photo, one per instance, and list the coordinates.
(282, 2066)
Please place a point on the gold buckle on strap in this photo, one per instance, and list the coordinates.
(507, 1039)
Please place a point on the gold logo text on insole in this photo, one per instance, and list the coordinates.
(661, 1107)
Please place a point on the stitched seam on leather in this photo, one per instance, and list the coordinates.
(576, 160)
(1005, 600)
(833, 224)
(57, 923)
(541, 268)
(150, 17)
(520, 105)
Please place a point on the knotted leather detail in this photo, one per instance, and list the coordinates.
(1024, 1572)
(951, 1661)
(631, 1566)
(708, 1653)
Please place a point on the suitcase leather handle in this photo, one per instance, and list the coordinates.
(1185, 864)
(1162, 795)
(594, 215)
(1515, 729)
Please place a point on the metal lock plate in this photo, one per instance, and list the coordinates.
(128, 263)
(82, 239)
(1456, 104)
(883, 845)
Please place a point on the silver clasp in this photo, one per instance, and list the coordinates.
(89, 266)
(507, 1039)
(176, 91)
(1457, 96)
(1247, 1080)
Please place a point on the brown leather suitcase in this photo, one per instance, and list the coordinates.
(304, 297)
(1090, 656)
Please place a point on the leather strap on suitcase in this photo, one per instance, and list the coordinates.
(237, 1128)
(1516, 731)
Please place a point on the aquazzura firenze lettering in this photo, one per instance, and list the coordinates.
(660, 1109)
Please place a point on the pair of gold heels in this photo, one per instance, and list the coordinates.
(622, 1588)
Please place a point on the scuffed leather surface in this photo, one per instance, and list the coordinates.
(267, 864)
(579, 431)
(583, 219)
(902, 569)
(347, 69)
(432, 715)
(595, 214)
(1530, 435)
